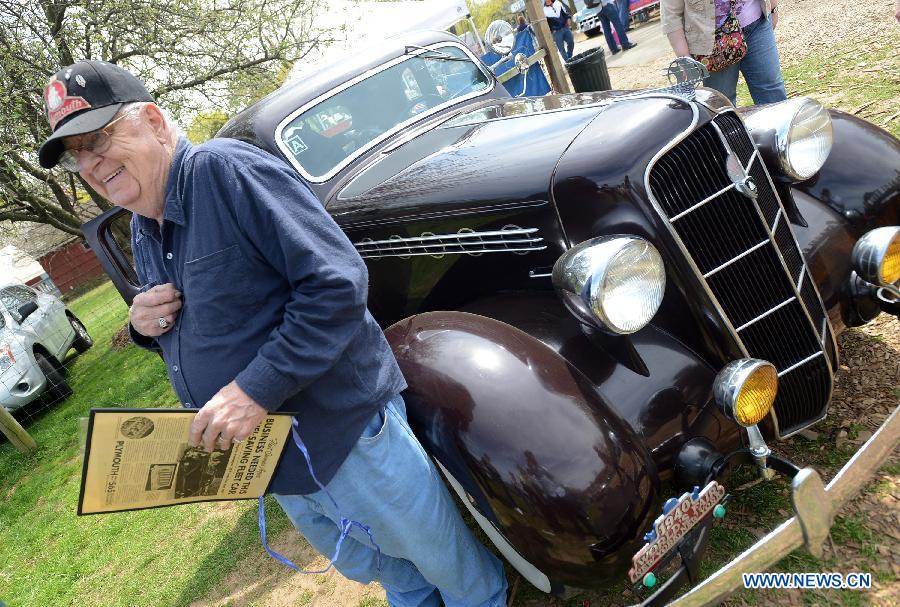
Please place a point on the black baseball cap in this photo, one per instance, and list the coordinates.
(84, 97)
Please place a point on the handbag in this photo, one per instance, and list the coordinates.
(729, 45)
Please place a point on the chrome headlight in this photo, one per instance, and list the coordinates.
(614, 282)
(876, 256)
(745, 389)
(796, 133)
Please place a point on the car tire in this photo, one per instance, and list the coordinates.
(83, 341)
(593, 32)
(57, 386)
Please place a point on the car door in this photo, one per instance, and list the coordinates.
(62, 334)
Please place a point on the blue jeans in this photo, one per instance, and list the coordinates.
(623, 7)
(610, 15)
(565, 41)
(761, 67)
(390, 484)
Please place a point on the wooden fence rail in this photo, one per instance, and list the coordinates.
(16, 434)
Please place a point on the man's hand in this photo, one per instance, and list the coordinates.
(229, 416)
(774, 16)
(162, 301)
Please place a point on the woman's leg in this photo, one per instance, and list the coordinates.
(761, 66)
(725, 81)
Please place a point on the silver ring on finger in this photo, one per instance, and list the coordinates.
(163, 323)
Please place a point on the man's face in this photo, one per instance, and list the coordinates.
(132, 171)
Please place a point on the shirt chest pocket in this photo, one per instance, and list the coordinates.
(219, 291)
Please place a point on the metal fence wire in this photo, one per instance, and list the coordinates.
(52, 346)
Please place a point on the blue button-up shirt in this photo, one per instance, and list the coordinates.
(274, 297)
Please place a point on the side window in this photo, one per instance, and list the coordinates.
(23, 294)
(10, 301)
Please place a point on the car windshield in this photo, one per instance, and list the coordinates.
(331, 133)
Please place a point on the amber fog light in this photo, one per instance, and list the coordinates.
(746, 390)
(876, 256)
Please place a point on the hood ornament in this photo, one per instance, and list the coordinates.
(685, 75)
(743, 183)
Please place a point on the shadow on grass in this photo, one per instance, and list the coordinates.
(237, 571)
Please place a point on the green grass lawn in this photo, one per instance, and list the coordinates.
(50, 557)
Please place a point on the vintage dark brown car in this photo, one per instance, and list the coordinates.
(598, 300)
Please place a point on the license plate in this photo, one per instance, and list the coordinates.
(678, 518)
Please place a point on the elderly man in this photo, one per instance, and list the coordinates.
(257, 301)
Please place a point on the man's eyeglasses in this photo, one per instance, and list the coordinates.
(96, 142)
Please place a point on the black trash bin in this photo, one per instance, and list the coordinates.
(588, 71)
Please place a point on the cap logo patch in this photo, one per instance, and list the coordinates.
(60, 104)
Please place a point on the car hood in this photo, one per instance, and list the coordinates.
(470, 158)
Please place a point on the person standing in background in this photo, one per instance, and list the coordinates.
(624, 7)
(559, 21)
(691, 30)
(609, 17)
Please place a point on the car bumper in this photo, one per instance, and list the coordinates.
(815, 506)
(588, 19)
(20, 386)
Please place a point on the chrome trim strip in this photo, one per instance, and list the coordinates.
(777, 249)
(402, 244)
(766, 313)
(824, 329)
(701, 203)
(737, 258)
(812, 356)
(377, 254)
(801, 277)
(789, 535)
(467, 235)
(282, 146)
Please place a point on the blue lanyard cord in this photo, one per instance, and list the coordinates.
(345, 524)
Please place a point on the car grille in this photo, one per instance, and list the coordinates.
(746, 254)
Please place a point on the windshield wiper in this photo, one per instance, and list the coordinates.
(430, 53)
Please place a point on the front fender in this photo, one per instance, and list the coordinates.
(537, 450)
(860, 180)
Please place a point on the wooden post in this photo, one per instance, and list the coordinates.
(16, 434)
(558, 77)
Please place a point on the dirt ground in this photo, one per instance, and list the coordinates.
(865, 393)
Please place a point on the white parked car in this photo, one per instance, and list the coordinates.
(36, 332)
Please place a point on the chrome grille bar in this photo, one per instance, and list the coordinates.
(765, 314)
(701, 203)
(800, 363)
(734, 259)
